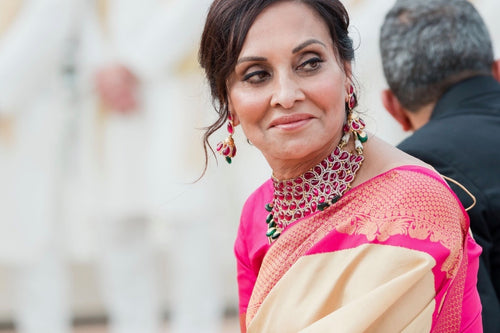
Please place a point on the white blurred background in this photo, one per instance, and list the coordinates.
(101, 109)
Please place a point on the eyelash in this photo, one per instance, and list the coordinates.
(251, 75)
(315, 61)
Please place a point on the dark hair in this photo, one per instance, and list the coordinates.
(429, 45)
(226, 27)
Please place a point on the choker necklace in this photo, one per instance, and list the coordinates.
(316, 189)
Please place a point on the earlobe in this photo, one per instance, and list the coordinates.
(234, 116)
(236, 120)
(394, 107)
(348, 81)
(496, 69)
(348, 71)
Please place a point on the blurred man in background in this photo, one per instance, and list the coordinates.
(438, 60)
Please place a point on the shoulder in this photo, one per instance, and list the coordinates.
(423, 194)
(416, 182)
(415, 203)
(433, 212)
(381, 157)
(401, 182)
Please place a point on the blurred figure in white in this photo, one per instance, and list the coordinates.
(139, 88)
(34, 103)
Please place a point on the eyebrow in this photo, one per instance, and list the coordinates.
(307, 43)
(250, 59)
(295, 50)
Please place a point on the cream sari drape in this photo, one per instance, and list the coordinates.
(346, 292)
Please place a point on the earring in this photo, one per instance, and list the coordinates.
(354, 124)
(227, 147)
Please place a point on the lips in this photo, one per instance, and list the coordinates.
(290, 121)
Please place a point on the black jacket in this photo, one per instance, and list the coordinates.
(462, 141)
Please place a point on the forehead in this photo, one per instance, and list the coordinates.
(286, 22)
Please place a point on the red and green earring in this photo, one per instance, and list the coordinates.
(354, 124)
(227, 148)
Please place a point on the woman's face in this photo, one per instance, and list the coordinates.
(288, 91)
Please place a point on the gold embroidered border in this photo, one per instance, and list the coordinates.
(450, 312)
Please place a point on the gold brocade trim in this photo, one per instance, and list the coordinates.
(450, 311)
(421, 208)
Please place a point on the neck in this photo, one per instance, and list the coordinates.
(420, 117)
(286, 169)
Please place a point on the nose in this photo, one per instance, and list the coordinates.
(286, 91)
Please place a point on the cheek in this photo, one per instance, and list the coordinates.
(249, 107)
(327, 96)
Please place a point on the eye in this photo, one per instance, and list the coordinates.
(257, 76)
(310, 64)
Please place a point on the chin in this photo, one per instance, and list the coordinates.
(294, 152)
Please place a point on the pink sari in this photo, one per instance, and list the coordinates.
(393, 255)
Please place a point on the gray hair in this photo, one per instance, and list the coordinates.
(429, 45)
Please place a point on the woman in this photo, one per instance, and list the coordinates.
(350, 234)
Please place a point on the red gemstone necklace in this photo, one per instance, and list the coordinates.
(317, 189)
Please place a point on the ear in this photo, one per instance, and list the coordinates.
(348, 69)
(236, 120)
(348, 74)
(496, 69)
(392, 104)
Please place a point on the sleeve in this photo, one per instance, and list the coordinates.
(495, 264)
(245, 275)
(471, 311)
(251, 245)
